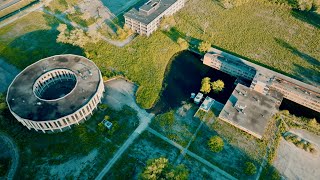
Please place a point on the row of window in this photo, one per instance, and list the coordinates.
(76, 117)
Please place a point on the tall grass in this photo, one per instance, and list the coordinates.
(260, 30)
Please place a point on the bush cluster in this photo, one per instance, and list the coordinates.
(216, 144)
(250, 168)
(307, 146)
(302, 5)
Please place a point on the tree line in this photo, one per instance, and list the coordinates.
(302, 5)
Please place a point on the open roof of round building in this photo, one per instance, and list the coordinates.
(26, 103)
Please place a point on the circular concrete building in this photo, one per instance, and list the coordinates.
(55, 93)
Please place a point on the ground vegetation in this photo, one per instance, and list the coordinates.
(250, 168)
(161, 168)
(216, 144)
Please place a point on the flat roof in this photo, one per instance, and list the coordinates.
(272, 77)
(207, 103)
(249, 110)
(146, 19)
(23, 102)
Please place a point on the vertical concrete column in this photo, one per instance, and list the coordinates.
(66, 121)
(75, 119)
(57, 125)
(48, 124)
(40, 126)
(32, 125)
(83, 113)
(90, 108)
(25, 123)
(36, 125)
(43, 125)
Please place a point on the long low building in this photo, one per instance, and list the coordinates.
(147, 19)
(55, 93)
(264, 81)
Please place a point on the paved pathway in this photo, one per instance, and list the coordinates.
(123, 95)
(7, 4)
(91, 27)
(24, 13)
(15, 155)
(124, 147)
(200, 159)
(190, 141)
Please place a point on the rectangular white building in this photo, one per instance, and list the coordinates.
(147, 19)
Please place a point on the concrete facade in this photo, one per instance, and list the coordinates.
(147, 19)
(60, 113)
(264, 81)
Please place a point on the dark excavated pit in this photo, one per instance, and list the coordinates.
(299, 110)
(183, 76)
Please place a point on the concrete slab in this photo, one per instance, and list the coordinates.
(296, 163)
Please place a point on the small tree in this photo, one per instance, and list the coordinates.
(155, 168)
(216, 144)
(205, 85)
(183, 43)
(313, 122)
(250, 168)
(161, 169)
(217, 86)
(204, 46)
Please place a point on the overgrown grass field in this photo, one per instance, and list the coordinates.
(262, 31)
(268, 33)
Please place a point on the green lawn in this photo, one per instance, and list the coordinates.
(43, 153)
(233, 155)
(264, 32)
(180, 129)
(31, 38)
(143, 61)
(133, 161)
(261, 31)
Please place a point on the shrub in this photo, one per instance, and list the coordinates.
(312, 150)
(216, 144)
(183, 43)
(312, 122)
(217, 86)
(299, 144)
(205, 85)
(250, 168)
(166, 119)
(204, 46)
(161, 169)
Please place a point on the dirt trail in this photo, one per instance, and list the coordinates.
(200, 159)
